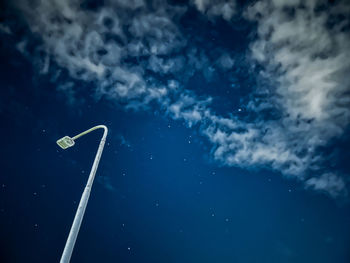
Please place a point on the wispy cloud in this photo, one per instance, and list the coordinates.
(216, 8)
(304, 52)
(136, 53)
(328, 183)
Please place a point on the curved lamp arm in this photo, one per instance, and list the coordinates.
(65, 143)
(92, 129)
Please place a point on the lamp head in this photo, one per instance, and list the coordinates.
(65, 142)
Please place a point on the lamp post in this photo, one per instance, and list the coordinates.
(65, 143)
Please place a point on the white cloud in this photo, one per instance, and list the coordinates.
(216, 8)
(188, 108)
(306, 60)
(139, 57)
(93, 46)
(225, 61)
(69, 92)
(164, 66)
(328, 183)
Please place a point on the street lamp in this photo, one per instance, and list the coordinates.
(65, 143)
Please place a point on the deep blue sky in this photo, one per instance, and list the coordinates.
(176, 184)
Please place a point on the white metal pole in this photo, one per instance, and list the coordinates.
(68, 249)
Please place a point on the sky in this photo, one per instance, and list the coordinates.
(228, 130)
